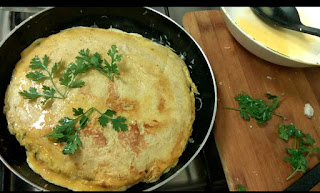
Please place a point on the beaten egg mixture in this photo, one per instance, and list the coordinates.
(297, 45)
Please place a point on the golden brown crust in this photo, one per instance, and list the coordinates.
(154, 92)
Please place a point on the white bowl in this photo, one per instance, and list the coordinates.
(302, 50)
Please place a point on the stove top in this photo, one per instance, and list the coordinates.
(205, 172)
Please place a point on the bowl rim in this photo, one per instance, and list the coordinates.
(279, 54)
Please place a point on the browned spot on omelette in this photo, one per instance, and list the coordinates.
(161, 104)
(97, 136)
(118, 104)
(133, 139)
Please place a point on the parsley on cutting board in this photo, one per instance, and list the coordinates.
(257, 108)
(262, 112)
(241, 188)
(302, 148)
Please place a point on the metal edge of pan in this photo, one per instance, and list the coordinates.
(1, 158)
(214, 108)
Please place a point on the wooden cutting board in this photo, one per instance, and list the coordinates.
(253, 155)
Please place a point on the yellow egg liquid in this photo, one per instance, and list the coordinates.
(291, 43)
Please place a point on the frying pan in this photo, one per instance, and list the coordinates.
(145, 21)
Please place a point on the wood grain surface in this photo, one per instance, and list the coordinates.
(253, 155)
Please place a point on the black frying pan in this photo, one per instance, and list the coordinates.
(145, 21)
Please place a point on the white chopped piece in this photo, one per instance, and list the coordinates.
(94, 25)
(269, 77)
(183, 55)
(200, 101)
(191, 140)
(308, 110)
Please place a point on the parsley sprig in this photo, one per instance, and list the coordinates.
(68, 79)
(257, 108)
(38, 75)
(303, 147)
(67, 131)
(241, 188)
(262, 112)
(110, 70)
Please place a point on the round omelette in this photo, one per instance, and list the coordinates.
(154, 92)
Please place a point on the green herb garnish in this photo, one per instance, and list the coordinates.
(257, 108)
(40, 67)
(67, 132)
(108, 69)
(117, 122)
(303, 147)
(241, 188)
(68, 79)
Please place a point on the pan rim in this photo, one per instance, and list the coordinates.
(200, 146)
(1, 44)
(214, 108)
